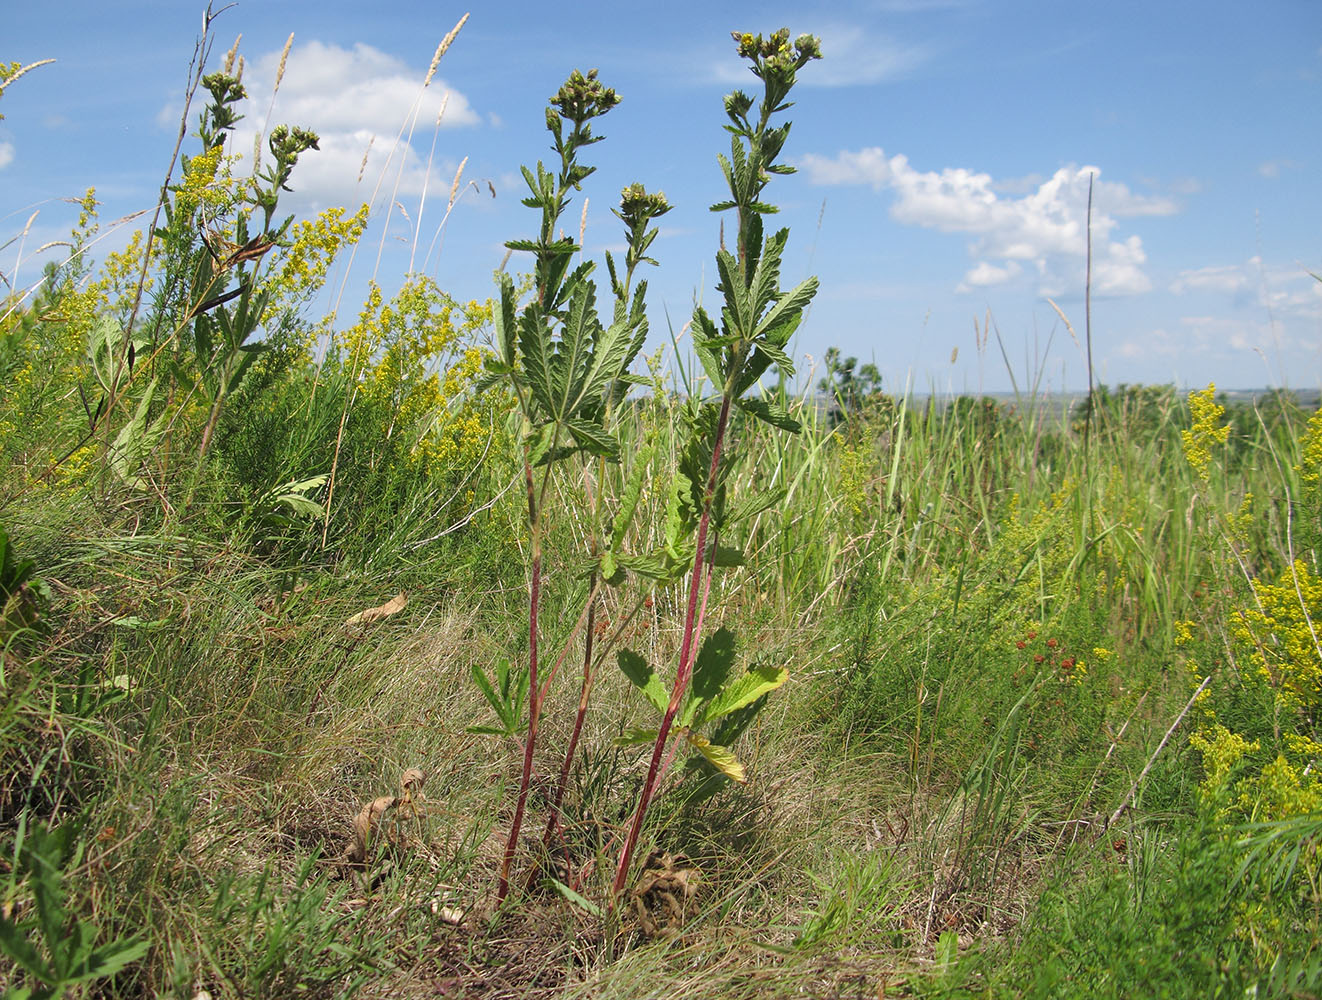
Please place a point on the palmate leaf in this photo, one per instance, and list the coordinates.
(614, 352)
(721, 758)
(15, 944)
(570, 362)
(637, 737)
(652, 567)
(111, 958)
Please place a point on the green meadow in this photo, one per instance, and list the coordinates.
(530, 646)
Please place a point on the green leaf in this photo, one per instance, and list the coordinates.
(633, 490)
(135, 440)
(592, 438)
(111, 958)
(764, 286)
(704, 346)
(721, 758)
(586, 905)
(643, 677)
(713, 665)
(539, 444)
(651, 567)
(16, 946)
(753, 505)
(636, 737)
(738, 305)
(789, 306)
(743, 690)
(772, 412)
(505, 319)
(535, 348)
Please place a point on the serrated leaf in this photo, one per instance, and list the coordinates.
(721, 758)
(764, 285)
(636, 737)
(776, 415)
(713, 664)
(633, 490)
(755, 504)
(788, 306)
(506, 320)
(539, 443)
(704, 337)
(738, 305)
(535, 347)
(726, 555)
(643, 677)
(652, 567)
(110, 959)
(593, 438)
(16, 945)
(743, 690)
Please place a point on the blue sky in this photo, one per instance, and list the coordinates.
(944, 149)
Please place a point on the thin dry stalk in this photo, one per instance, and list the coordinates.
(426, 180)
(410, 121)
(1124, 803)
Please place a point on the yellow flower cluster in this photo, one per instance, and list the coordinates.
(313, 247)
(208, 183)
(406, 357)
(1310, 465)
(1280, 635)
(1206, 430)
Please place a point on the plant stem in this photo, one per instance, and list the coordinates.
(684, 671)
(534, 692)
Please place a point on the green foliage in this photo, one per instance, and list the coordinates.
(54, 948)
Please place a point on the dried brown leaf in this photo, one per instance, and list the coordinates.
(367, 823)
(392, 606)
(412, 780)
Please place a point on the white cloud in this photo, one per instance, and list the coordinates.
(1284, 291)
(357, 100)
(1230, 278)
(1044, 225)
(6, 154)
(985, 275)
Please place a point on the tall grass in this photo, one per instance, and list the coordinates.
(986, 629)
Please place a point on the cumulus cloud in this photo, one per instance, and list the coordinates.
(6, 154)
(1284, 291)
(1043, 226)
(357, 100)
(985, 274)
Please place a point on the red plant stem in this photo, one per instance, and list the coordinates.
(534, 693)
(585, 692)
(685, 669)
